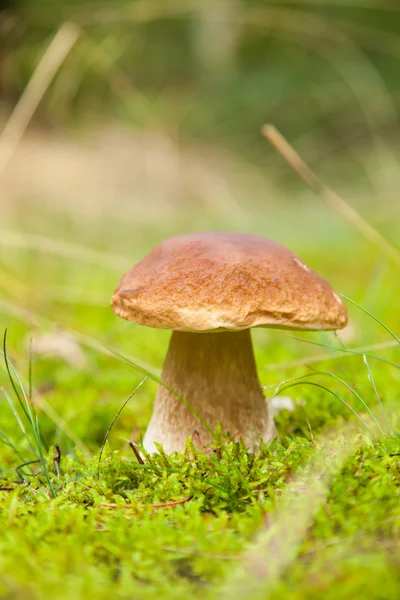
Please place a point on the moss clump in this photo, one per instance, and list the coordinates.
(104, 535)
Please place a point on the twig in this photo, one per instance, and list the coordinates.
(360, 466)
(22, 478)
(332, 199)
(155, 506)
(55, 54)
(136, 453)
(57, 459)
(311, 432)
(197, 438)
(189, 552)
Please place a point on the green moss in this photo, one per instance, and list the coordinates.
(74, 546)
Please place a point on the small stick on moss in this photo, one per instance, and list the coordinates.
(27, 484)
(329, 196)
(157, 505)
(189, 552)
(207, 450)
(197, 438)
(136, 453)
(57, 459)
(360, 466)
(311, 432)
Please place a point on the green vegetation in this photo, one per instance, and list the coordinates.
(111, 531)
(316, 514)
(74, 544)
(77, 545)
(323, 72)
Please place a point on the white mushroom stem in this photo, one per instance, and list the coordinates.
(215, 373)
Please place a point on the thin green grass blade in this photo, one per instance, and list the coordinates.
(347, 350)
(19, 421)
(39, 444)
(55, 417)
(390, 332)
(116, 417)
(318, 385)
(28, 410)
(352, 390)
(357, 395)
(27, 407)
(10, 367)
(285, 381)
(371, 379)
(157, 379)
(306, 361)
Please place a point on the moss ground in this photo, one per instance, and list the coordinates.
(103, 535)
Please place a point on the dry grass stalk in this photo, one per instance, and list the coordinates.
(329, 196)
(54, 56)
(154, 506)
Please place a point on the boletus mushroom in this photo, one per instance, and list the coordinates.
(210, 289)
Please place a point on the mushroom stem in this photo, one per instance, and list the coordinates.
(215, 373)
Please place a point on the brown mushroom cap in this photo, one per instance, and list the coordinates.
(226, 281)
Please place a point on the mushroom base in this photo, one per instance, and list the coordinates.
(215, 373)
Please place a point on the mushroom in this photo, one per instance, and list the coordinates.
(210, 289)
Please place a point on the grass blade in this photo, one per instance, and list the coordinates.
(347, 350)
(116, 417)
(329, 196)
(19, 421)
(28, 410)
(352, 390)
(318, 385)
(357, 395)
(39, 444)
(371, 378)
(308, 360)
(390, 332)
(166, 386)
(9, 368)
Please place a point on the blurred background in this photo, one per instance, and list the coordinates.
(156, 107)
(125, 122)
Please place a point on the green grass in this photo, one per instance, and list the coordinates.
(314, 515)
(220, 541)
